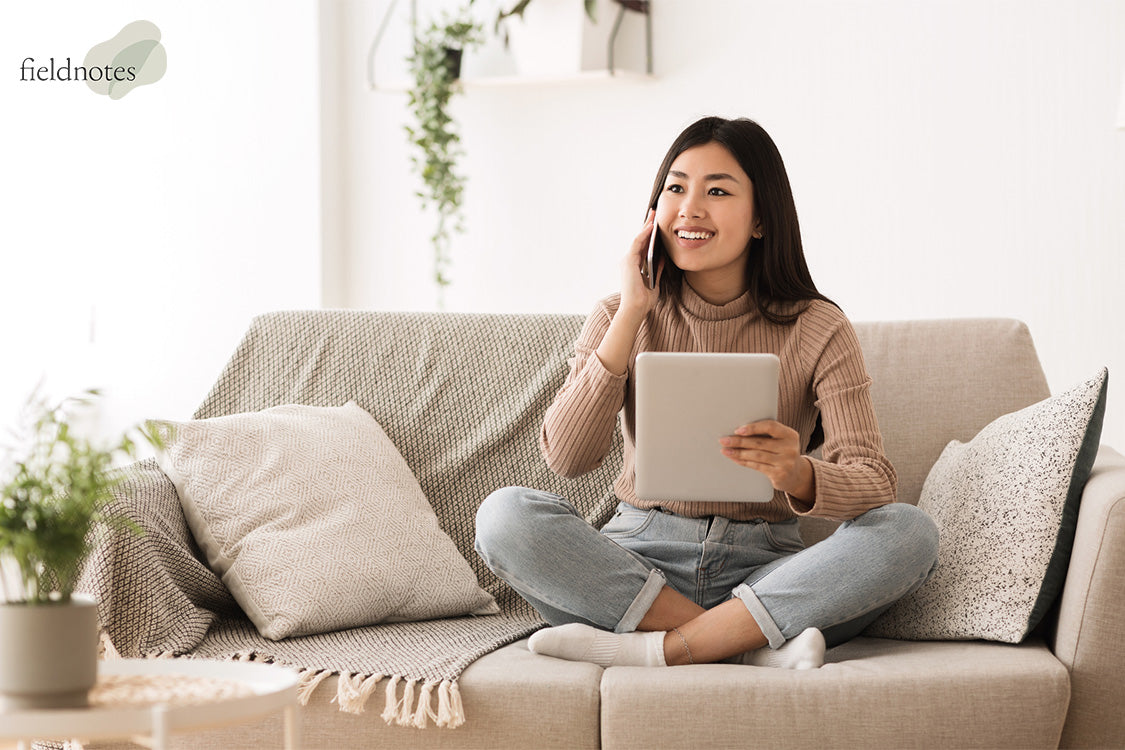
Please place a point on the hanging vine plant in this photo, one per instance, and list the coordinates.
(435, 66)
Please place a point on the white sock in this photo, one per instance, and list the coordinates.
(806, 651)
(578, 642)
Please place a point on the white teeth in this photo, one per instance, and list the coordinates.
(694, 235)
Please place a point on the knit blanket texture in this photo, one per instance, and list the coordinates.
(462, 396)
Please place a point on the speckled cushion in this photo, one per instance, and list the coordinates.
(1006, 504)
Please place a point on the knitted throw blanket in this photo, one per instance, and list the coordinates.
(461, 396)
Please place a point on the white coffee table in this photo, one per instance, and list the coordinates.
(158, 697)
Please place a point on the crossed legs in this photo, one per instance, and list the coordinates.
(580, 578)
(711, 635)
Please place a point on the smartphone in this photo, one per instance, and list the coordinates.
(648, 271)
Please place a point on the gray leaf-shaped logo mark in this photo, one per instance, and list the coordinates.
(134, 57)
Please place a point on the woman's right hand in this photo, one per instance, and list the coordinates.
(636, 302)
(636, 298)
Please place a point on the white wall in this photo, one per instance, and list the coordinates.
(949, 159)
(139, 236)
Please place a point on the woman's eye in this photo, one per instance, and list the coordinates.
(717, 191)
(675, 189)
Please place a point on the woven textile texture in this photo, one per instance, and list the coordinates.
(461, 396)
(314, 522)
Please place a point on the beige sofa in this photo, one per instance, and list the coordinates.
(933, 381)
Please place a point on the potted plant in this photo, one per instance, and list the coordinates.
(560, 39)
(54, 490)
(435, 67)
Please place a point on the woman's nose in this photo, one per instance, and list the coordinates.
(691, 207)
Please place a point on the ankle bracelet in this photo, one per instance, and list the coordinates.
(684, 641)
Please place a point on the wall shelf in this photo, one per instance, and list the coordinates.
(585, 76)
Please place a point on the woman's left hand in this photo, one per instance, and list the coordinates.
(775, 450)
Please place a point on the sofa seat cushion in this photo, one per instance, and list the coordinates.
(871, 693)
(514, 698)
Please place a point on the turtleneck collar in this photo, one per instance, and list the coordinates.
(700, 308)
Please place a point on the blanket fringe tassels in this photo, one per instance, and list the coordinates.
(415, 707)
(353, 690)
(405, 714)
(390, 711)
(308, 680)
(450, 711)
(424, 711)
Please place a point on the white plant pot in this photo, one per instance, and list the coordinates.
(547, 39)
(555, 38)
(48, 654)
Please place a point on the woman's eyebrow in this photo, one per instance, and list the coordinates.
(706, 178)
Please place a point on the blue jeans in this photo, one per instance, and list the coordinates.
(571, 572)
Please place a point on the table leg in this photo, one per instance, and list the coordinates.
(292, 728)
(159, 727)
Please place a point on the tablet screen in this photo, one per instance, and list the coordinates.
(685, 402)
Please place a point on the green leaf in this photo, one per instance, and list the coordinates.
(54, 498)
(435, 133)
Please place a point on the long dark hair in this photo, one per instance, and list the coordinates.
(776, 272)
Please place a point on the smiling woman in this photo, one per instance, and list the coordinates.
(706, 218)
(679, 582)
(737, 161)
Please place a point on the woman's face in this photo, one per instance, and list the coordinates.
(706, 215)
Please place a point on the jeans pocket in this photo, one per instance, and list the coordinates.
(784, 536)
(628, 522)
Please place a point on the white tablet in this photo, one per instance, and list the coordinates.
(685, 402)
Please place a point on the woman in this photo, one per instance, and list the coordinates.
(679, 583)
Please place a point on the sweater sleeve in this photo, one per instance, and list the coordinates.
(580, 423)
(854, 475)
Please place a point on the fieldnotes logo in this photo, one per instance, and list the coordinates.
(113, 68)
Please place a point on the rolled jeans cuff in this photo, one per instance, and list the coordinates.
(642, 603)
(760, 614)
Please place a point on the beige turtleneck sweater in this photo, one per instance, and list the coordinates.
(822, 371)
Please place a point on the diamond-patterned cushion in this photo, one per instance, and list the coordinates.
(314, 521)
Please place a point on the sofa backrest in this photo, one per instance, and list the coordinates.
(941, 380)
(463, 395)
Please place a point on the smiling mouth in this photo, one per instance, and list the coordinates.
(684, 235)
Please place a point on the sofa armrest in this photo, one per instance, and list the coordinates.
(1091, 623)
(155, 594)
